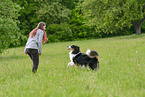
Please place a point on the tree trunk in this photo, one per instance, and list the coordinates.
(138, 25)
(138, 29)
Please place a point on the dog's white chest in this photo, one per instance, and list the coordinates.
(71, 56)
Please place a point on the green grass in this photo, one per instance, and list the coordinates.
(121, 72)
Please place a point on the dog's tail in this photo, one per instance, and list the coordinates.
(92, 54)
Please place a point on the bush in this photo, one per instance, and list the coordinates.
(8, 33)
(59, 32)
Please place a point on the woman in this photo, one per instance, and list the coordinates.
(36, 37)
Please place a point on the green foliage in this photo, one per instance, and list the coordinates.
(113, 16)
(79, 29)
(9, 31)
(81, 19)
(59, 32)
(143, 27)
(8, 9)
(28, 19)
(69, 3)
(53, 12)
(35, 11)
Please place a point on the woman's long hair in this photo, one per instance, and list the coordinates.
(34, 31)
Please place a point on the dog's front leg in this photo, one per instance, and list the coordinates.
(71, 56)
(76, 65)
(88, 67)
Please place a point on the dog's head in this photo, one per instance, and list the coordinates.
(75, 49)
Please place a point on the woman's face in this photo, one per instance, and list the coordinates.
(44, 27)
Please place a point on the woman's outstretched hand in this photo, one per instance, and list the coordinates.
(39, 53)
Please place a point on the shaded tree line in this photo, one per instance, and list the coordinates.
(69, 20)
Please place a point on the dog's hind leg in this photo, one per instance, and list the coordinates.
(83, 66)
(97, 65)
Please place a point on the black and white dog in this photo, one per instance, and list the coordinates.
(89, 60)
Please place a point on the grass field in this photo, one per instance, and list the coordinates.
(121, 72)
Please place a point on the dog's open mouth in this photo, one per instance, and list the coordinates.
(69, 47)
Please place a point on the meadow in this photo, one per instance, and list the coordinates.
(121, 71)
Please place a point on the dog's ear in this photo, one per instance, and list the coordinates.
(78, 49)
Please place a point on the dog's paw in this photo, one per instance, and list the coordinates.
(83, 66)
(70, 64)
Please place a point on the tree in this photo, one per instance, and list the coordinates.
(114, 15)
(49, 11)
(28, 18)
(9, 31)
(77, 24)
(53, 12)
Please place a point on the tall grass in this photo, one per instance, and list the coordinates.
(121, 72)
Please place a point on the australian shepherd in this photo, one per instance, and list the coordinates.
(89, 60)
